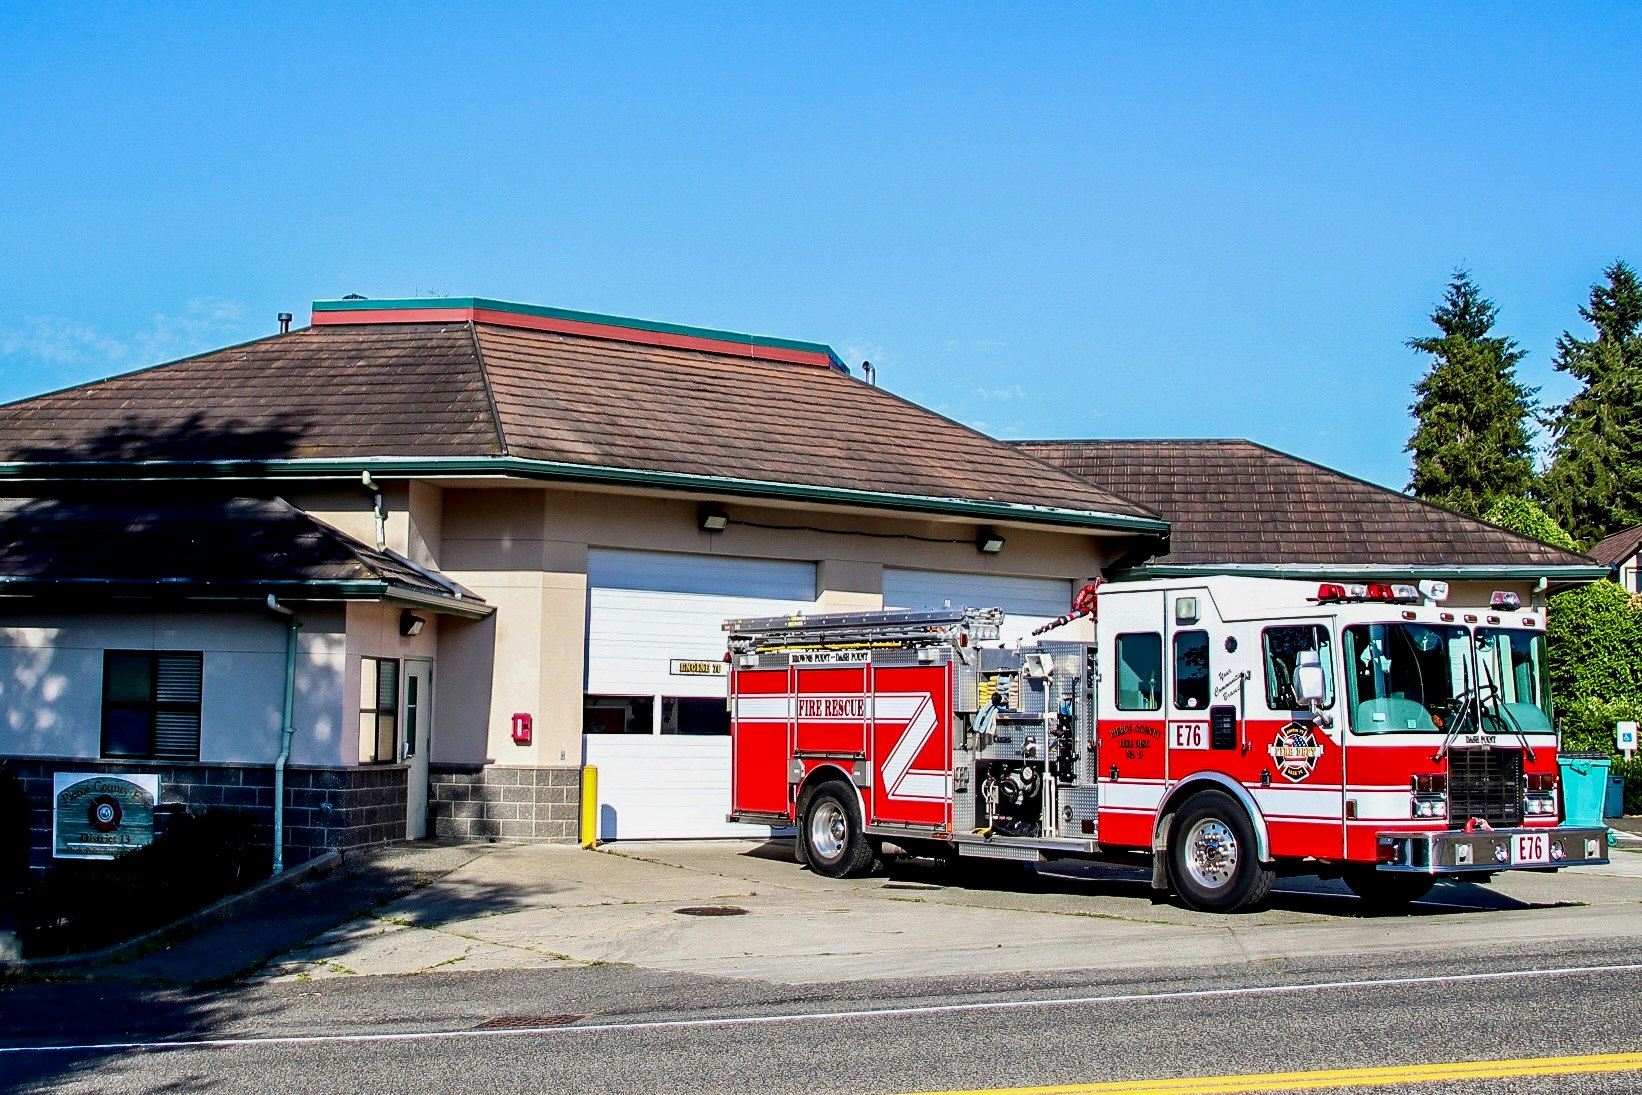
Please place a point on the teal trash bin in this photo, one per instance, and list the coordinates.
(1614, 804)
(1584, 785)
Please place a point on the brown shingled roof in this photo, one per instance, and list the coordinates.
(1615, 549)
(456, 389)
(206, 547)
(1236, 503)
(588, 401)
(316, 392)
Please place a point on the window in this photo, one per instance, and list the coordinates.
(1191, 670)
(1410, 678)
(1283, 646)
(695, 716)
(1140, 672)
(1513, 687)
(378, 710)
(618, 715)
(151, 704)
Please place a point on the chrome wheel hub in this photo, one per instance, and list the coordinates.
(1211, 853)
(828, 830)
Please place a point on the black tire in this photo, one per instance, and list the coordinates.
(831, 833)
(1387, 891)
(1213, 862)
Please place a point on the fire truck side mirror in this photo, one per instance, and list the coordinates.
(1309, 686)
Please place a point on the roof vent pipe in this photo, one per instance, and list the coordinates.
(285, 323)
(872, 374)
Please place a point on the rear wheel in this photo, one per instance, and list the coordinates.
(1213, 860)
(831, 833)
(1387, 891)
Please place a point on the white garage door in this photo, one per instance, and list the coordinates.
(1027, 602)
(656, 684)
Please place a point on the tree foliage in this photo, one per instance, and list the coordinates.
(1593, 642)
(1594, 484)
(1525, 517)
(1471, 442)
(1595, 634)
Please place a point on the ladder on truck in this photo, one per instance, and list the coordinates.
(842, 630)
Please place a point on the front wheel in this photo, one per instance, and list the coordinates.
(1387, 891)
(831, 833)
(1213, 859)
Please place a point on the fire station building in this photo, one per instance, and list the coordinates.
(423, 561)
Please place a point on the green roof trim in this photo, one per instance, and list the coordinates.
(256, 591)
(402, 304)
(555, 471)
(1366, 571)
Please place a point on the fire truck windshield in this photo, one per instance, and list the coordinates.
(1511, 682)
(1409, 678)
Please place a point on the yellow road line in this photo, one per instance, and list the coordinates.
(1339, 1077)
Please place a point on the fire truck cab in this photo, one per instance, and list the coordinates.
(1225, 729)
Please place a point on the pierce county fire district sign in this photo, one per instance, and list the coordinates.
(99, 816)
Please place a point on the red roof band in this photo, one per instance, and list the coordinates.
(330, 313)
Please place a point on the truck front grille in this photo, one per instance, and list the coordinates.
(1486, 784)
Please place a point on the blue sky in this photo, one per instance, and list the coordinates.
(1043, 220)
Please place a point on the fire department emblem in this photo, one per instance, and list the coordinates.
(1295, 751)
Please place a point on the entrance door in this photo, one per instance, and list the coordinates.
(418, 737)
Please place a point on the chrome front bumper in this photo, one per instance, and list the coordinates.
(1455, 852)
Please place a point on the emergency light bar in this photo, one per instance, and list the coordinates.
(1503, 600)
(1335, 592)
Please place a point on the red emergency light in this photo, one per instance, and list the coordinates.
(1368, 591)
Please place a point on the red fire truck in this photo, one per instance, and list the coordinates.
(1225, 729)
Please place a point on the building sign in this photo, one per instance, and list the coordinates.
(680, 668)
(98, 816)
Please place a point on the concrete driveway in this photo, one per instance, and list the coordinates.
(743, 910)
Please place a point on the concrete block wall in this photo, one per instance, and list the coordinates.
(324, 807)
(491, 802)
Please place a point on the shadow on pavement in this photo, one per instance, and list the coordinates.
(1302, 894)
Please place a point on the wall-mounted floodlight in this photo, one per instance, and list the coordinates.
(988, 542)
(712, 519)
(410, 624)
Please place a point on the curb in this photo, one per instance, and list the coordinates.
(227, 907)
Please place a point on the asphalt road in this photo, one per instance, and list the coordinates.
(616, 1029)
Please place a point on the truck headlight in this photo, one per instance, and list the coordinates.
(1429, 806)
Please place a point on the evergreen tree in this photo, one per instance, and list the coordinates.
(1471, 443)
(1594, 485)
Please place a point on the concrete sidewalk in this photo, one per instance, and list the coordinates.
(744, 910)
(232, 948)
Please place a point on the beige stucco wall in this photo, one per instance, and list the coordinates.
(1477, 594)
(524, 549)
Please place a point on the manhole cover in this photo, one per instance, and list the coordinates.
(528, 1022)
(711, 910)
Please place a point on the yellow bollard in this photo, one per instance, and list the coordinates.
(590, 807)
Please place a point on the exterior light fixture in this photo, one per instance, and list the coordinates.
(988, 542)
(712, 519)
(410, 624)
